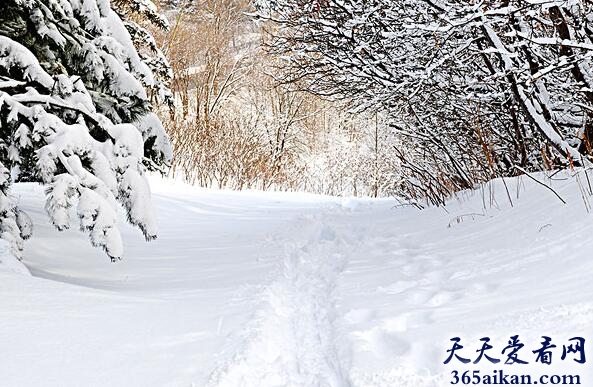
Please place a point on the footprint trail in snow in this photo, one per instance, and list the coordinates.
(293, 340)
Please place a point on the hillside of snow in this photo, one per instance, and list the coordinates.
(269, 289)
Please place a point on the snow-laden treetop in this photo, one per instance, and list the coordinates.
(77, 78)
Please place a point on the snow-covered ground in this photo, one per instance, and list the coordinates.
(269, 289)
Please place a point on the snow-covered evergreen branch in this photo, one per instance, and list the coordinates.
(76, 116)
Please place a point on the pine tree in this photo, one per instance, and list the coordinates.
(77, 78)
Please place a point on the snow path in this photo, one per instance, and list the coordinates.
(268, 290)
(293, 339)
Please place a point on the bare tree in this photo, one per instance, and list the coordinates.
(474, 89)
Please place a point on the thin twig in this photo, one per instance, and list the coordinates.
(539, 182)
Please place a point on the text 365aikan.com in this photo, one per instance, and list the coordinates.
(498, 377)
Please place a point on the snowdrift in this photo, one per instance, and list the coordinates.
(270, 289)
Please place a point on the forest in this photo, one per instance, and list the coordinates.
(416, 100)
(295, 193)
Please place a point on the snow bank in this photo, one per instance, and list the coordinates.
(8, 263)
(271, 290)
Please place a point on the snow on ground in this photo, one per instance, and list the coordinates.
(8, 263)
(268, 289)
